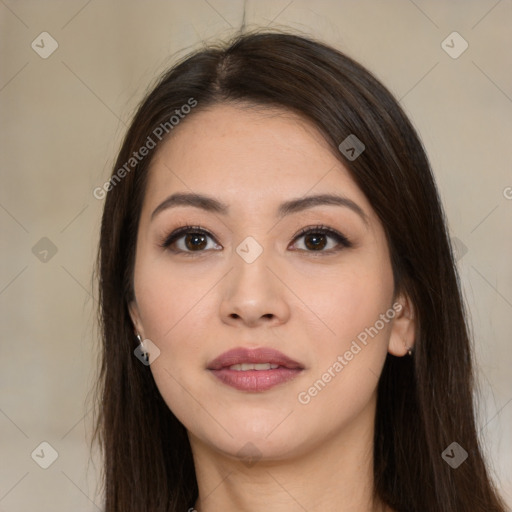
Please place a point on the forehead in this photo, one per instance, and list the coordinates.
(249, 156)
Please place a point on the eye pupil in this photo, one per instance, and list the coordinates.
(315, 237)
(194, 237)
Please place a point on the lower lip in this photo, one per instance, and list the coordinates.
(255, 380)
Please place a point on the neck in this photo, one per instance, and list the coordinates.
(335, 476)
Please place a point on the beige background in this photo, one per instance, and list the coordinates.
(62, 122)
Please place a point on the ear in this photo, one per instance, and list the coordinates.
(402, 335)
(133, 309)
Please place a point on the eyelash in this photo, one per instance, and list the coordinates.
(342, 240)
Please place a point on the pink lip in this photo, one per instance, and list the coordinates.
(254, 380)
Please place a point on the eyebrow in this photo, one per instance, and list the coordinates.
(210, 204)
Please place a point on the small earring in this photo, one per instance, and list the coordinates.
(145, 354)
(409, 351)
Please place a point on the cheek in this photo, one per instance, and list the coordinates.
(345, 371)
(345, 301)
(356, 320)
(176, 319)
(169, 299)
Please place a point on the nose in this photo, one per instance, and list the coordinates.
(253, 295)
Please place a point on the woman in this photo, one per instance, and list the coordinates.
(282, 321)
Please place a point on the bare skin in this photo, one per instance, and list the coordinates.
(289, 448)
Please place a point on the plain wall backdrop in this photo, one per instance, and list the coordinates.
(64, 112)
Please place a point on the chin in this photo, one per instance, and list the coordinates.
(264, 439)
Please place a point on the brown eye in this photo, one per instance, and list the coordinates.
(316, 239)
(195, 241)
(187, 240)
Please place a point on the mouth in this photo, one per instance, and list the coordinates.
(254, 370)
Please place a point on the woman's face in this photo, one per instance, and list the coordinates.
(248, 280)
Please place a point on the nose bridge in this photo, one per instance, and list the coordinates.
(250, 260)
(252, 292)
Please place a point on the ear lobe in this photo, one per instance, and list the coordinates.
(135, 316)
(403, 331)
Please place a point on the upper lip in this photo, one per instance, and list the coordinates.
(252, 355)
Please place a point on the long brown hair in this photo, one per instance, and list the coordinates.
(425, 402)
